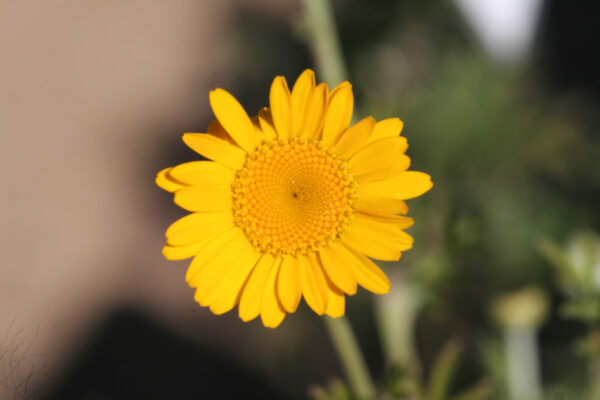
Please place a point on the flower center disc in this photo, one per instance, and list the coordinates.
(292, 197)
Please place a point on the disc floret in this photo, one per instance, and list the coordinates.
(292, 196)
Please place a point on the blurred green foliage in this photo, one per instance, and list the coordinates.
(578, 269)
(516, 170)
(514, 165)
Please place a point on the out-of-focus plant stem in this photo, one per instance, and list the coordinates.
(520, 314)
(396, 313)
(351, 357)
(522, 364)
(324, 42)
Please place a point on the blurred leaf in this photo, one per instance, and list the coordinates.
(578, 266)
(480, 391)
(559, 259)
(587, 310)
(443, 370)
(404, 383)
(336, 390)
(493, 357)
(583, 249)
(565, 393)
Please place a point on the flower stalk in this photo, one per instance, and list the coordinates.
(349, 354)
(323, 40)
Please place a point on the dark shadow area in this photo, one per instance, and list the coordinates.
(134, 357)
(568, 50)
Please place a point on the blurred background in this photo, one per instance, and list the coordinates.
(500, 101)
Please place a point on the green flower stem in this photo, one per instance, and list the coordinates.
(352, 360)
(323, 40)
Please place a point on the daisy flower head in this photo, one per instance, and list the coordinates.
(291, 203)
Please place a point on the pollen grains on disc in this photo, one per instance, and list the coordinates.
(292, 197)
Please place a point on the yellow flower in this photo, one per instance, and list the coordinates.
(292, 204)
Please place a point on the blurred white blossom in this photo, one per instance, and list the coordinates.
(506, 27)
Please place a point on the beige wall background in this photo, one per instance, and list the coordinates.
(89, 92)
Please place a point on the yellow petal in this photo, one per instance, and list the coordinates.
(315, 111)
(379, 160)
(395, 146)
(218, 264)
(216, 149)
(204, 199)
(387, 168)
(216, 129)
(256, 125)
(380, 206)
(289, 283)
(301, 93)
(281, 107)
(197, 227)
(221, 280)
(407, 185)
(258, 130)
(251, 295)
(336, 266)
(387, 231)
(354, 138)
(203, 173)
(339, 113)
(386, 128)
(216, 249)
(227, 291)
(314, 285)
(271, 311)
(181, 252)
(234, 119)
(405, 241)
(195, 220)
(166, 182)
(266, 124)
(336, 302)
(363, 238)
(219, 283)
(399, 221)
(369, 275)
